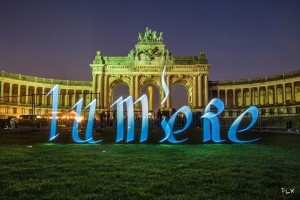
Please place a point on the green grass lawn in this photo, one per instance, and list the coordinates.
(148, 171)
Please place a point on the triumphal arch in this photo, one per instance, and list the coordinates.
(144, 65)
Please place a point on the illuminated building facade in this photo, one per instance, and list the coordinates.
(19, 93)
(277, 95)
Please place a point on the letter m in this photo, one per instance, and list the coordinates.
(130, 118)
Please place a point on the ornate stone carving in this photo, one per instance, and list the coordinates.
(151, 52)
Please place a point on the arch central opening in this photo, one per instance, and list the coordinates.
(179, 96)
(152, 92)
(119, 90)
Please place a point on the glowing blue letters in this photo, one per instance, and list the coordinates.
(211, 121)
(78, 118)
(54, 90)
(233, 129)
(211, 124)
(144, 132)
(120, 119)
(75, 134)
(168, 126)
(89, 127)
(164, 85)
(130, 118)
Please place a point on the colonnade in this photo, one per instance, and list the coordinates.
(200, 90)
(13, 93)
(269, 94)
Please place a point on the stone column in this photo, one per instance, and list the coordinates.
(136, 87)
(106, 92)
(253, 97)
(136, 91)
(242, 96)
(100, 91)
(233, 97)
(1, 91)
(275, 95)
(41, 96)
(70, 99)
(283, 94)
(66, 97)
(19, 94)
(74, 97)
(44, 98)
(250, 96)
(293, 93)
(37, 96)
(272, 96)
(263, 100)
(254, 102)
(131, 87)
(200, 91)
(94, 85)
(10, 93)
(258, 96)
(226, 101)
(194, 91)
(255, 93)
(267, 95)
(205, 89)
(27, 94)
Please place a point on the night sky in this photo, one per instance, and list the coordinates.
(59, 39)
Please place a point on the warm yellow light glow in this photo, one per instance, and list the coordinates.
(78, 118)
(150, 94)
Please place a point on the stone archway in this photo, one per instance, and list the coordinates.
(144, 65)
(114, 84)
(187, 84)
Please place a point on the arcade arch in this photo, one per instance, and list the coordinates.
(181, 94)
(155, 96)
(119, 90)
(114, 85)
